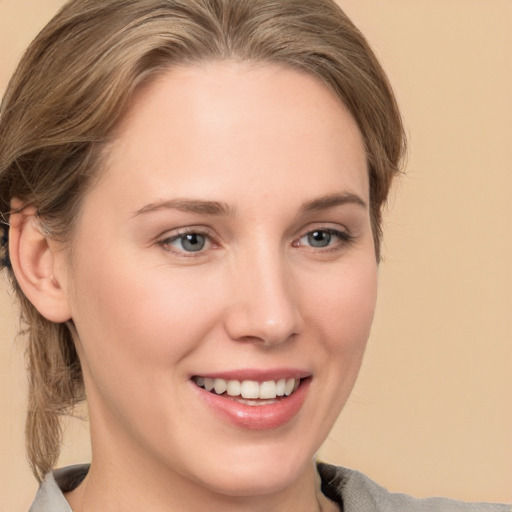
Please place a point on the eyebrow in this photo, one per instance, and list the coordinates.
(331, 201)
(220, 208)
(189, 206)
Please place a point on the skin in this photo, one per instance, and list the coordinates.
(265, 140)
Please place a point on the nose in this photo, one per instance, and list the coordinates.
(263, 306)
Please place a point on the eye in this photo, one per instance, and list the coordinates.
(324, 238)
(186, 242)
(191, 242)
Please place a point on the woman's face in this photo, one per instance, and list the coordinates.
(228, 242)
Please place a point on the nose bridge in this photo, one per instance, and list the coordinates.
(264, 305)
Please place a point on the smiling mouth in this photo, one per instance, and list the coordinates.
(250, 392)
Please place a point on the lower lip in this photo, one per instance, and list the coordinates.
(257, 417)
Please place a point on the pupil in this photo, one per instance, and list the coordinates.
(193, 242)
(319, 238)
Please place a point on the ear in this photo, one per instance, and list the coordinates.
(36, 262)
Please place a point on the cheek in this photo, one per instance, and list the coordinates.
(136, 331)
(130, 317)
(343, 315)
(344, 304)
(340, 317)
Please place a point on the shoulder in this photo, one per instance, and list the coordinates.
(354, 490)
(358, 493)
(50, 496)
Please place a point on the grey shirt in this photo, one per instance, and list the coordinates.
(351, 490)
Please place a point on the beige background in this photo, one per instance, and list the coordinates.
(432, 411)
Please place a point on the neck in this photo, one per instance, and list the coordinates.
(134, 491)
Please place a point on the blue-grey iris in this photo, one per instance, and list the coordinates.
(319, 238)
(193, 242)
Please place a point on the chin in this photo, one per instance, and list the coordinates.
(262, 474)
(252, 483)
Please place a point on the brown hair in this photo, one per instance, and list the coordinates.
(72, 87)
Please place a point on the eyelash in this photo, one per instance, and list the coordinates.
(181, 234)
(344, 239)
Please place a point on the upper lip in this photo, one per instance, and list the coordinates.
(256, 374)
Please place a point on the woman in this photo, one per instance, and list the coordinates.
(194, 231)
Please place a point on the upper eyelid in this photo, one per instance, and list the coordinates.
(177, 232)
(333, 231)
(344, 236)
(331, 227)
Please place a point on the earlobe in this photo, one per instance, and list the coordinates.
(34, 262)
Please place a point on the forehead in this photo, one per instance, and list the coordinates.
(199, 127)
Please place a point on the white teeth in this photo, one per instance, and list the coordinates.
(234, 387)
(280, 387)
(290, 384)
(208, 384)
(220, 386)
(255, 402)
(268, 389)
(249, 389)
